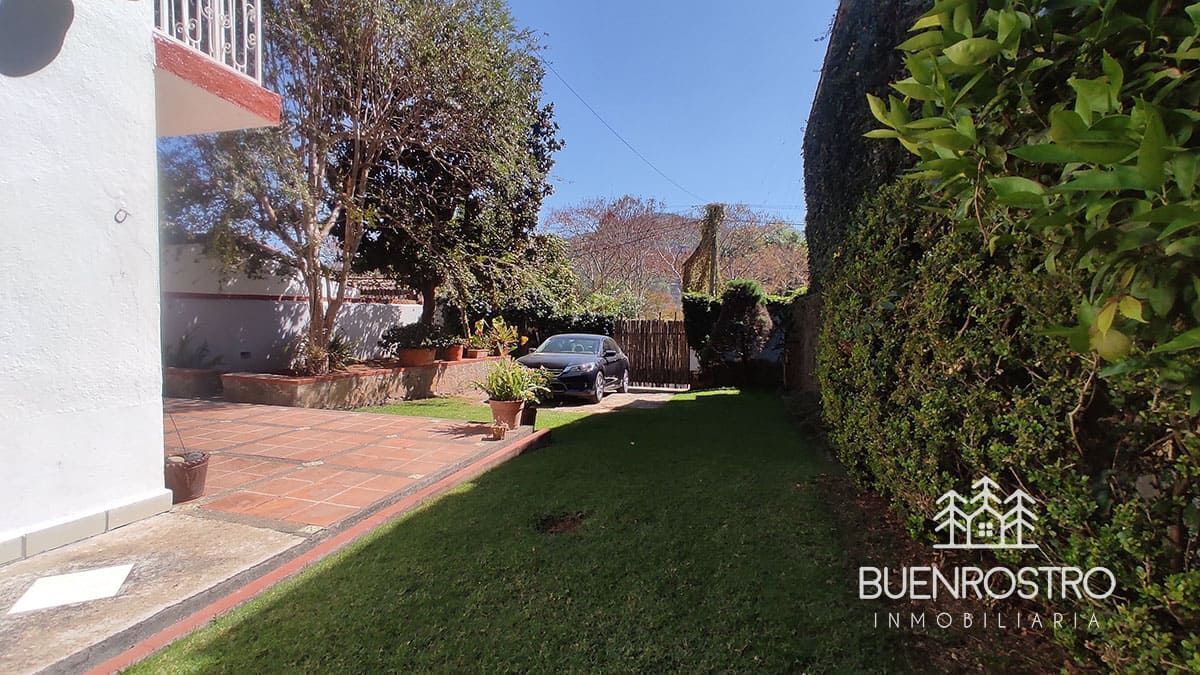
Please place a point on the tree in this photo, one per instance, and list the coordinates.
(358, 78)
(451, 208)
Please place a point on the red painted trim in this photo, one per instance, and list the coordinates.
(300, 380)
(293, 567)
(202, 71)
(276, 298)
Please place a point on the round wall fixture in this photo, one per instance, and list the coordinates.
(32, 34)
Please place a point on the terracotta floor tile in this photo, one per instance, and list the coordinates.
(422, 467)
(388, 483)
(322, 514)
(318, 492)
(238, 502)
(278, 508)
(357, 497)
(280, 486)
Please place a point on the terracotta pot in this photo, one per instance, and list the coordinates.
(185, 479)
(416, 356)
(508, 412)
(476, 353)
(453, 353)
(529, 415)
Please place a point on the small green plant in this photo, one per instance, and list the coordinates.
(341, 351)
(501, 336)
(408, 336)
(508, 380)
(184, 354)
(478, 339)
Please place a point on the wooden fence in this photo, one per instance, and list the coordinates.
(657, 350)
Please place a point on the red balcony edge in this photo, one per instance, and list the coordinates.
(202, 71)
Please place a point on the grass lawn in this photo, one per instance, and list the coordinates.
(700, 549)
(471, 411)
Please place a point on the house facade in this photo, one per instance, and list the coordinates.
(86, 88)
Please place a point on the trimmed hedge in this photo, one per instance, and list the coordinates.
(934, 370)
(699, 314)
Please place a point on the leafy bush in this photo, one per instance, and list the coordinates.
(743, 325)
(598, 323)
(699, 314)
(1073, 122)
(409, 336)
(508, 380)
(340, 352)
(934, 369)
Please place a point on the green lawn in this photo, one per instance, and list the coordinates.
(702, 549)
(471, 411)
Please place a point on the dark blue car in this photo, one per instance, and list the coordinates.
(583, 365)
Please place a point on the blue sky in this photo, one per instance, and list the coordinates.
(715, 94)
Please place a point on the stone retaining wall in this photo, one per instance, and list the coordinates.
(358, 388)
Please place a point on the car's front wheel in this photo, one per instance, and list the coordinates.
(597, 388)
(624, 386)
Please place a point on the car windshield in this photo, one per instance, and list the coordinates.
(565, 344)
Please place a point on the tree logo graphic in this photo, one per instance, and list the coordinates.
(987, 519)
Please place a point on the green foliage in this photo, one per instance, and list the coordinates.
(186, 354)
(934, 368)
(699, 314)
(1072, 122)
(508, 380)
(743, 324)
(340, 352)
(409, 336)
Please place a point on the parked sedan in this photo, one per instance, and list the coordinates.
(582, 364)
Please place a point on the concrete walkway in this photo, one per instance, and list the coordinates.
(286, 487)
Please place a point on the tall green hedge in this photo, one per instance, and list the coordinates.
(934, 369)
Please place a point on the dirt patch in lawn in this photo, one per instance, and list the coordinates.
(873, 535)
(560, 523)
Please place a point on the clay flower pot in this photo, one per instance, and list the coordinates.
(507, 412)
(416, 356)
(185, 475)
(476, 353)
(454, 353)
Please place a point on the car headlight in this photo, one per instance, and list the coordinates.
(579, 369)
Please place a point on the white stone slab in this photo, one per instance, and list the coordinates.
(69, 589)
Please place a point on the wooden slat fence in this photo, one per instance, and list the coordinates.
(657, 351)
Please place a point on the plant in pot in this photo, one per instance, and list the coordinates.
(478, 342)
(450, 345)
(414, 344)
(185, 475)
(501, 336)
(509, 386)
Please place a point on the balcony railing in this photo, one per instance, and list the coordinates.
(227, 31)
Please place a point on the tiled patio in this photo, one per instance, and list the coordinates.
(297, 469)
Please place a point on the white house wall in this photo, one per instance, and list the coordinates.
(80, 407)
(251, 322)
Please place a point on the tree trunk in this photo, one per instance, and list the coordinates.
(428, 300)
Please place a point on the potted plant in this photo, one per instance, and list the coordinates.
(451, 346)
(478, 342)
(186, 475)
(414, 344)
(509, 386)
(501, 336)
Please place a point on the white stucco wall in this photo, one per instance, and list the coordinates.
(80, 409)
(253, 333)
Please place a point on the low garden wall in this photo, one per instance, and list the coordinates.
(191, 382)
(362, 386)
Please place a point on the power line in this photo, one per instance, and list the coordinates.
(621, 138)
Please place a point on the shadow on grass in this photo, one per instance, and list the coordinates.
(697, 552)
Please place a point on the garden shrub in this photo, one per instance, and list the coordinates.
(743, 324)
(700, 312)
(935, 368)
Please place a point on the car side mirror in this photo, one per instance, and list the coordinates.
(609, 353)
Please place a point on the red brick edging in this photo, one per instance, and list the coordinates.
(237, 597)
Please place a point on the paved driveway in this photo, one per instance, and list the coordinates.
(299, 470)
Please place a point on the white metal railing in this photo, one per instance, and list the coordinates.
(227, 31)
